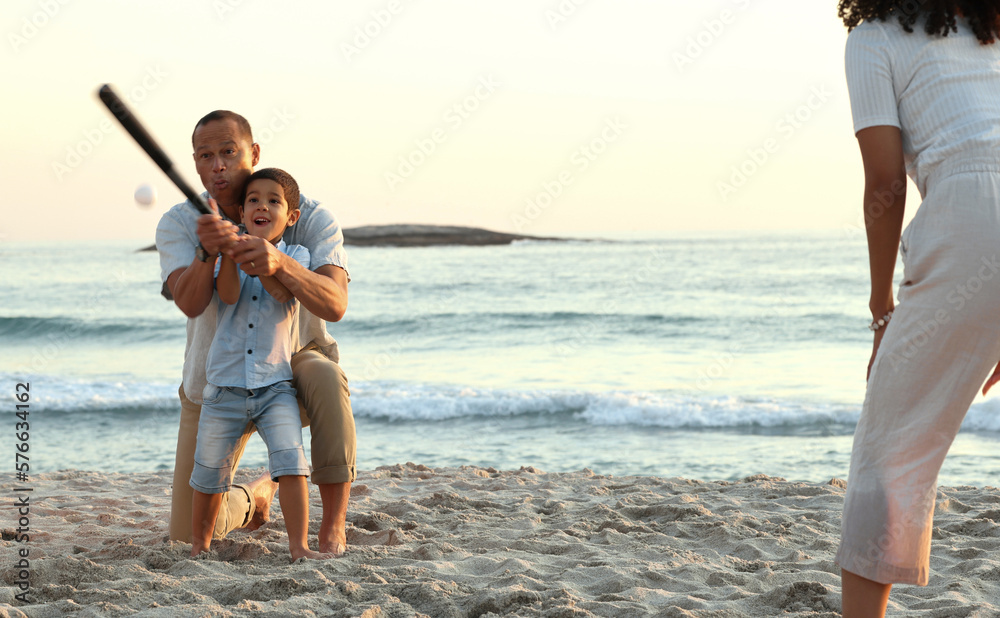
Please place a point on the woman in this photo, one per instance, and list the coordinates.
(924, 80)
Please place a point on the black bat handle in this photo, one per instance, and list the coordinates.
(138, 132)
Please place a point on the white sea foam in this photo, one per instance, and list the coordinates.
(435, 403)
(430, 403)
(58, 394)
(983, 416)
(408, 402)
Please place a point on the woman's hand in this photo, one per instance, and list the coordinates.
(993, 379)
(878, 340)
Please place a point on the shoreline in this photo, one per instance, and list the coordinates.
(480, 541)
(419, 235)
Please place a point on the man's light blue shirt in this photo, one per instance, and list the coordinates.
(253, 344)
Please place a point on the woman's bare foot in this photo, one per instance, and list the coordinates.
(262, 491)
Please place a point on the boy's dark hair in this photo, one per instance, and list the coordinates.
(982, 15)
(224, 114)
(283, 178)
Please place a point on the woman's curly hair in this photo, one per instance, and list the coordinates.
(982, 15)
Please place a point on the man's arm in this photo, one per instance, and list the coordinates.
(322, 292)
(191, 287)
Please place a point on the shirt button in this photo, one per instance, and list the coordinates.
(255, 298)
(249, 351)
(251, 326)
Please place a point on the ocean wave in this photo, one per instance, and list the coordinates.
(55, 395)
(642, 409)
(983, 417)
(25, 328)
(477, 321)
(407, 402)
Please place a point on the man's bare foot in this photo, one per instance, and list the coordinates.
(333, 527)
(262, 491)
(310, 554)
(197, 549)
(335, 548)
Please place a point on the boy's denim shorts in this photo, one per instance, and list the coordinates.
(226, 415)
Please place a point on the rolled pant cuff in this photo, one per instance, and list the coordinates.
(253, 505)
(333, 474)
(209, 490)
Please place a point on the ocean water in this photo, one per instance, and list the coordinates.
(709, 356)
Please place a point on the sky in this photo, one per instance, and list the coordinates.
(548, 117)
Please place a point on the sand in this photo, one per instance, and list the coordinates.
(480, 542)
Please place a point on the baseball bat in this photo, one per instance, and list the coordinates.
(138, 132)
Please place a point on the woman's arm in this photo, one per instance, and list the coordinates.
(884, 203)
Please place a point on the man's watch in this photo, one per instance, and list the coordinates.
(203, 255)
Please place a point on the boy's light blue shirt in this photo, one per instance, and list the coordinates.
(176, 238)
(253, 344)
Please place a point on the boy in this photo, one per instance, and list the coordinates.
(249, 373)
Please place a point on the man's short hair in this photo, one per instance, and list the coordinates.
(283, 178)
(224, 114)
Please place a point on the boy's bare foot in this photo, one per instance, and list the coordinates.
(262, 491)
(310, 555)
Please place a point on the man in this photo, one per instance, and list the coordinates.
(225, 155)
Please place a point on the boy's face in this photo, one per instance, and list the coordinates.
(265, 211)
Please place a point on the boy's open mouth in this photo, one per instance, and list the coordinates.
(261, 220)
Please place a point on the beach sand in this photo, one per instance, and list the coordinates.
(480, 542)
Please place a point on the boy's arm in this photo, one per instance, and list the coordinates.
(275, 288)
(227, 282)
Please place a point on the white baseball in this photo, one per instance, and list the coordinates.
(145, 195)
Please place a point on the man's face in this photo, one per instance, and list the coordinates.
(224, 158)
